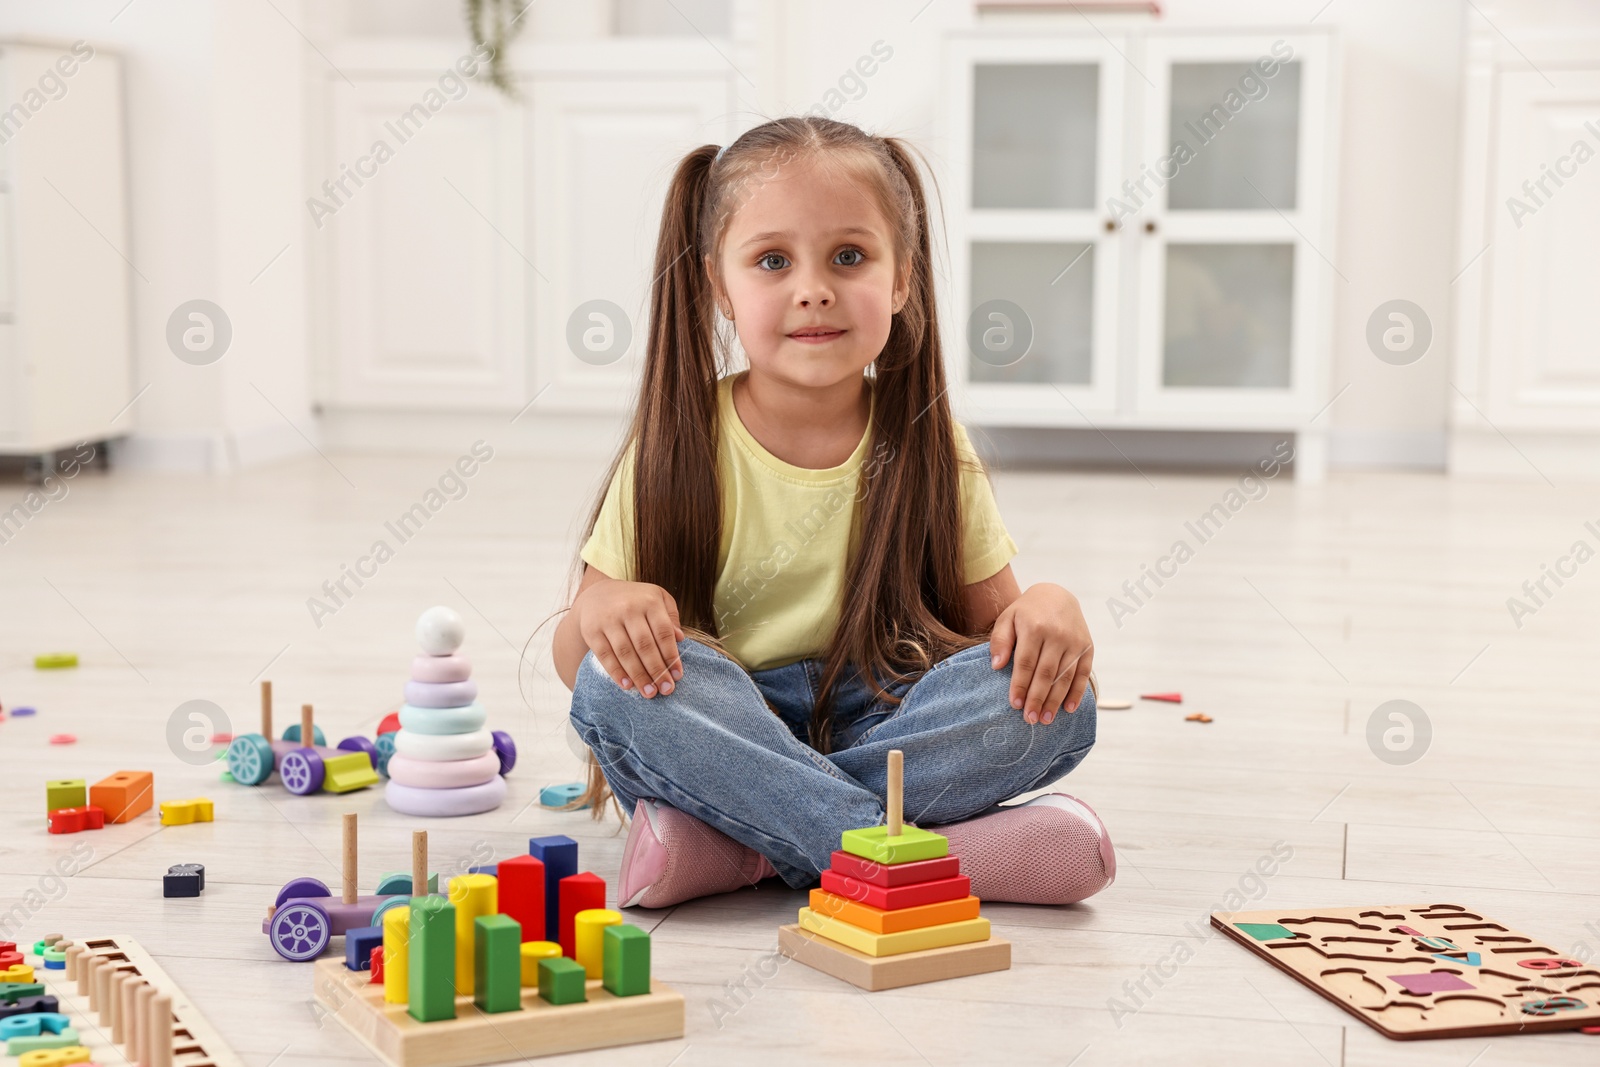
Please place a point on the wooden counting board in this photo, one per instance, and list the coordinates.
(115, 996)
(1428, 970)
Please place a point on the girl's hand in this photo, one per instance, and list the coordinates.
(1046, 630)
(633, 630)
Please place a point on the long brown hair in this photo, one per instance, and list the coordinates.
(905, 609)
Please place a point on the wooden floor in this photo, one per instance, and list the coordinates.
(1308, 609)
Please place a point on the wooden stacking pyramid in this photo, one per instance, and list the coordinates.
(894, 909)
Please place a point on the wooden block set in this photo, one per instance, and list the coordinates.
(517, 961)
(72, 807)
(105, 1000)
(894, 909)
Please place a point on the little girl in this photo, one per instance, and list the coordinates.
(800, 566)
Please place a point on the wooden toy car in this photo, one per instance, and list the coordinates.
(304, 766)
(305, 916)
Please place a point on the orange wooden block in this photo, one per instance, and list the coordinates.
(881, 921)
(124, 795)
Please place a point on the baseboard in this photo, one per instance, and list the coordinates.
(1360, 449)
(1525, 455)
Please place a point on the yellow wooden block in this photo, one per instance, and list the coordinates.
(55, 1057)
(589, 945)
(17, 972)
(532, 953)
(957, 933)
(183, 812)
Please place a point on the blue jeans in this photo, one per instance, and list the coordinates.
(729, 747)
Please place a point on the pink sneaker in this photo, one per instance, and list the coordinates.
(1051, 850)
(671, 857)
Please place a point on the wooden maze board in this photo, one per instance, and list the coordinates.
(1429, 970)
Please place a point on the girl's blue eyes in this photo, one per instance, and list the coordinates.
(861, 256)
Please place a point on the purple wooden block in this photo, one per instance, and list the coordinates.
(22, 712)
(1432, 982)
(344, 917)
(29, 1006)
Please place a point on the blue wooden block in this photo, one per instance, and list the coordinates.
(492, 870)
(358, 946)
(559, 796)
(559, 854)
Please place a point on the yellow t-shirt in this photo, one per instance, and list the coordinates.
(786, 539)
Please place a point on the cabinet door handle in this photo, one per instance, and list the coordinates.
(1150, 226)
(1111, 226)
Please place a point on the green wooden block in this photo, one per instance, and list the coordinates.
(497, 963)
(912, 843)
(1265, 931)
(65, 793)
(11, 992)
(65, 1039)
(626, 960)
(562, 981)
(431, 971)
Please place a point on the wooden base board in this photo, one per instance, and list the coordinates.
(194, 1040)
(891, 972)
(473, 1037)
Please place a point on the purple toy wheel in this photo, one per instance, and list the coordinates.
(300, 931)
(301, 887)
(361, 744)
(506, 749)
(301, 771)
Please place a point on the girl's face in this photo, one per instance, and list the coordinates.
(807, 274)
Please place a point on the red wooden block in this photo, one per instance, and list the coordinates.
(575, 893)
(8, 946)
(10, 958)
(390, 723)
(522, 894)
(891, 898)
(872, 872)
(73, 820)
(377, 965)
(1170, 698)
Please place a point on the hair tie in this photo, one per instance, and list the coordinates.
(718, 156)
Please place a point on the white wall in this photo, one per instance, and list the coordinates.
(218, 133)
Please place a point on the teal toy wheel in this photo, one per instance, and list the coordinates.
(293, 734)
(385, 749)
(388, 905)
(250, 759)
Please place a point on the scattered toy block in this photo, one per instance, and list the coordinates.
(58, 1057)
(1198, 716)
(23, 713)
(1113, 705)
(562, 981)
(431, 992)
(348, 772)
(1166, 698)
(184, 812)
(63, 739)
(196, 869)
(911, 843)
(589, 927)
(886, 921)
(531, 953)
(497, 967)
(625, 961)
(65, 793)
(178, 882)
(890, 874)
(892, 972)
(522, 894)
(559, 854)
(74, 820)
(559, 796)
(577, 892)
(124, 795)
(893, 898)
(358, 946)
(29, 1005)
(54, 661)
(864, 941)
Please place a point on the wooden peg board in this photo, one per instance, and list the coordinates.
(873, 973)
(1426, 970)
(194, 1041)
(473, 1037)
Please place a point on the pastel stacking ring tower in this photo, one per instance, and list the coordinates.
(446, 762)
(894, 908)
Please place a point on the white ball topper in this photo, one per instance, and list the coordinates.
(440, 631)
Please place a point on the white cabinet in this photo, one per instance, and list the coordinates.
(456, 267)
(1526, 385)
(65, 371)
(1141, 230)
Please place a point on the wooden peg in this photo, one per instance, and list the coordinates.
(896, 796)
(74, 956)
(160, 1031)
(90, 982)
(266, 710)
(114, 1003)
(349, 840)
(141, 1013)
(127, 987)
(307, 730)
(419, 863)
